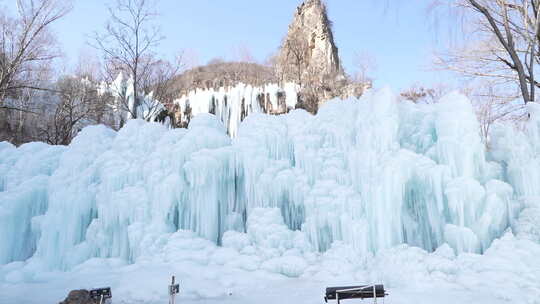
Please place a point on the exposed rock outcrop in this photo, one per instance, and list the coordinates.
(309, 52)
(310, 58)
(81, 296)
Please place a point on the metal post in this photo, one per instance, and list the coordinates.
(172, 293)
(101, 300)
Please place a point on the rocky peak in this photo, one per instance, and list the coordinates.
(308, 52)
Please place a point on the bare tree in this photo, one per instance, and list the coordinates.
(295, 61)
(18, 118)
(128, 45)
(27, 47)
(89, 65)
(494, 104)
(365, 65)
(158, 86)
(506, 45)
(243, 54)
(421, 94)
(75, 104)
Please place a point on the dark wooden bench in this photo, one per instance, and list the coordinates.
(355, 292)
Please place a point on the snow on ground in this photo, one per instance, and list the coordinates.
(509, 272)
(369, 190)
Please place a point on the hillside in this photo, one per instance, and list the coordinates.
(224, 74)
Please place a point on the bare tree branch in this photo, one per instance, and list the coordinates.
(127, 45)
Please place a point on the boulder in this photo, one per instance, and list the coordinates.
(81, 296)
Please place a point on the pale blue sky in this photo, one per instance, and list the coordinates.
(400, 38)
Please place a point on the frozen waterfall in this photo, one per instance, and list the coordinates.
(372, 173)
(232, 104)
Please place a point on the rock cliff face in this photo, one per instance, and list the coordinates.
(309, 57)
(308, 52)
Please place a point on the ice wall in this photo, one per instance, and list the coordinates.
(232, 104)
(371, 173)
(24, 176)
(518, 152)
(123, 104)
